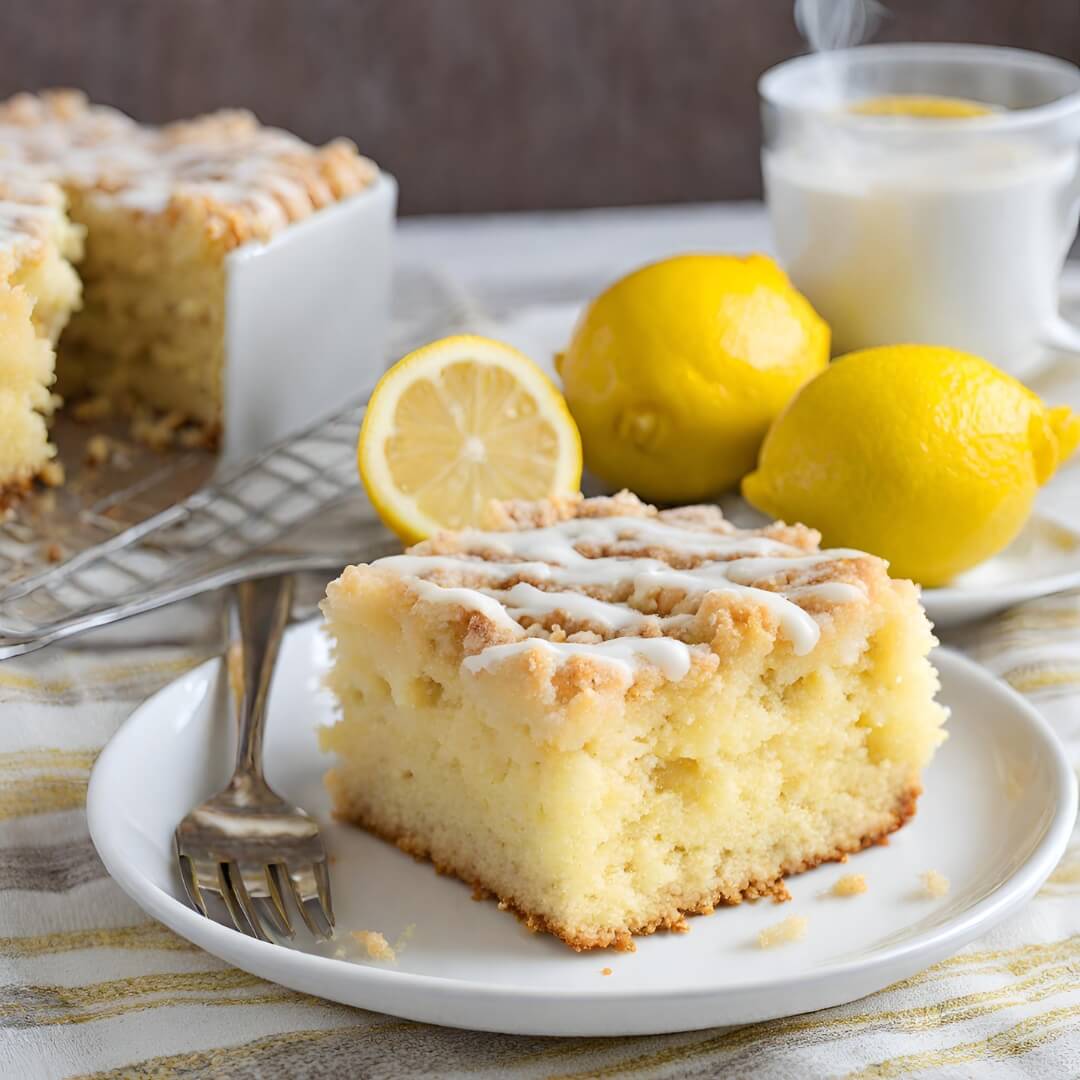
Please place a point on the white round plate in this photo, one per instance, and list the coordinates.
(1043, 559)
(999, 806)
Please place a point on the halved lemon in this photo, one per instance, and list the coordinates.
(460, 422)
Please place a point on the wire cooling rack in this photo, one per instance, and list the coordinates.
(156, 529)
(224, 531)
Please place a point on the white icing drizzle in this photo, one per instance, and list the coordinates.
(226, 159)
(624, 654)
(472, 599)
(733, 563)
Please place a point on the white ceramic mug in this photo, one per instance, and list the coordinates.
(945, 231)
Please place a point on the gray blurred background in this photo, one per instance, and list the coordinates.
(482, 105)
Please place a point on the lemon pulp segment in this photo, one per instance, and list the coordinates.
(458, 423)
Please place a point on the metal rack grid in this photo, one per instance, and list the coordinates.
(204, 541)
(172, 529)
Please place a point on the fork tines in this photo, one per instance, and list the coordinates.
(255, 897)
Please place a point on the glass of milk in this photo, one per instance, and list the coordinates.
(909, 228)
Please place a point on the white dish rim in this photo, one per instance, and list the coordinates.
(257, 956)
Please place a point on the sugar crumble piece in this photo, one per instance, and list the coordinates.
(605, 971)
(52, 474)
(850, 885)
(935, 885)
(157, 432)
(99, 449)
(193, 437)
(378, 948)
(793, 928)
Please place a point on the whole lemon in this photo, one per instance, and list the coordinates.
(675, 372)
(926, 456)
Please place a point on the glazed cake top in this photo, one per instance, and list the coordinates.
(619, 582)
(246, 181)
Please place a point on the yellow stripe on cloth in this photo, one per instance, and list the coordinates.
(1029, 678)
(230, 1058)
(149, 935)
(44, 757)
(1016, 961)
(1020, 1039)
(49, 793)
(50, 1005)
(132, 679)
(964, 1007)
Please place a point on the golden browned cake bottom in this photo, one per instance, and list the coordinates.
(621, 938)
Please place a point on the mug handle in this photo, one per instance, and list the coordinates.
(1062, 336)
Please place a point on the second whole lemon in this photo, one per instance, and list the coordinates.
(675, 372)
(926, 456)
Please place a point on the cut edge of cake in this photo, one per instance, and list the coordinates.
(39, 291)
(160, 210)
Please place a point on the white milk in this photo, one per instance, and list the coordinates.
(947, 242)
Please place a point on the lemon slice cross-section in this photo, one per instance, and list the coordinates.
(460, 422)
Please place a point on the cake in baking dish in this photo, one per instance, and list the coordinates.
(38, 292)
(123, 229)
(610, 716)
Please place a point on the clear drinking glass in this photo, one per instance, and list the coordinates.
(946, 231)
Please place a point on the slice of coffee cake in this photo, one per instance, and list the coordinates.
(610, 717)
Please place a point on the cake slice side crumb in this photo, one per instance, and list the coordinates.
(935, 885)
(850, 885)
(376, 946)
(792, 929)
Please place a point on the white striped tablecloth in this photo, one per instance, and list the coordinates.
(90, 985)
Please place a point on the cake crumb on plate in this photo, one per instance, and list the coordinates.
(935, 885)
(378, 948)
(793, 928)
(849, 885)
(605, 971)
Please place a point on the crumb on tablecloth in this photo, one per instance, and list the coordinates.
(935, 885)
(54, 553)
(793, 928)
(850, 885)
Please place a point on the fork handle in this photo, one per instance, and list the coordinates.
(261, 611)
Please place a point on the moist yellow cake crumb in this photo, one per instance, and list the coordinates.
(793, 928)
(850, 885)
(377, 947)
(935, 885)
(605, 971)
(98, 450)
(114, 238)
(611, 717)
(52, 474)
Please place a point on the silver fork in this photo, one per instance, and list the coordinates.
(247, 846)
